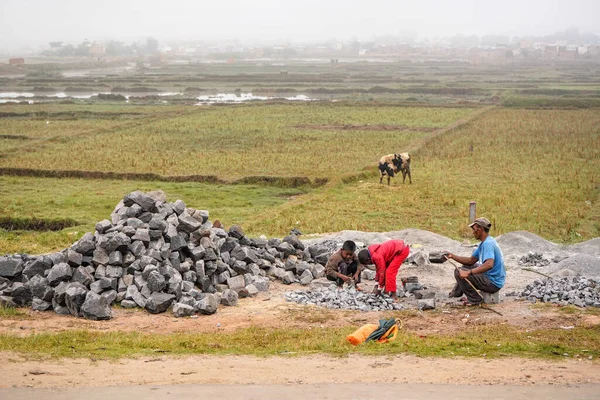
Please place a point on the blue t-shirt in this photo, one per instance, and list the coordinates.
(489, 249)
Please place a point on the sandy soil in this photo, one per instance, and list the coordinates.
(290, 370)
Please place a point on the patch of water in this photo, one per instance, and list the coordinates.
(235, 98)
(14, 97)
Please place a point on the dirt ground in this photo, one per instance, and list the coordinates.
(290, 370)
(271, 310)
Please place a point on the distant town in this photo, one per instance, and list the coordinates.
(489, 50)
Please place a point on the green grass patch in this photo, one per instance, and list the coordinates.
(12, 312)
(496, 341)
(90, 201)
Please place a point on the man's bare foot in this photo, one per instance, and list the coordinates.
(359, 288)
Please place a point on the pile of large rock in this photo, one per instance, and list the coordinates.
(578, 291)
(333, 298)
(155, 254)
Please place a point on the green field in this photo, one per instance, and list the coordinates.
(534, 130)
(233, 142)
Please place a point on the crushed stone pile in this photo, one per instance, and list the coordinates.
(156, 255)
(351, 299)
(533, 260)
(578, 291)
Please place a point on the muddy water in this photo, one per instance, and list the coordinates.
(233, 98)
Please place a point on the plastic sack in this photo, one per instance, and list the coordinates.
(361, 334)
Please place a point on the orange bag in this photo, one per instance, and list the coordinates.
(361, 334)
(390, 335)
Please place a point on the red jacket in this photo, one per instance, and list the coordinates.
(386, 255)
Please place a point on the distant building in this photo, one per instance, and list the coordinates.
(97, 50)
(565, 52)
(16, 61)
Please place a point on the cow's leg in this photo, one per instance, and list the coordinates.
(389, 180)
(380, 177)
(409, 177)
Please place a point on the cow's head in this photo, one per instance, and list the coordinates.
(397, 161)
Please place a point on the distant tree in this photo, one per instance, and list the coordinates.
(56, 45)
(116, 48)
(82, 50)
(66, 51)
(151, 45)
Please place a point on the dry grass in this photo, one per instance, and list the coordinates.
(530, 170)
(488, 341)
(234, 142)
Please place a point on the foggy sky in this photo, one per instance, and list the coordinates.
(35, 22)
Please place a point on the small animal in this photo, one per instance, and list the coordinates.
(392, 163)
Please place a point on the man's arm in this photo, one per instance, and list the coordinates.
(379, 269)
(463, 260)
(486, 266)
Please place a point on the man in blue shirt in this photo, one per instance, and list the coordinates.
(484, 268)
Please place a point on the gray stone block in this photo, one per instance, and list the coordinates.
(294, 241)
(197, 253)
(40, 288)
(113, 271)
(159, 302)
(142, 199)
(59, 273)
(110, 296)
(306, 278)
(252, 290)
(182, 310)
(229, 298)
(187, 223)
(139, 299)
(490, 298)
(115, 258)
(128, 304)
(286, 248)
(85, 245)
(40, 305)
(83, 276)
(208, 305)
(156, 282)
(103, 226)
(38, 266)
(20, 293)
(134, 211)
(74, 258)
(426, 304)
(96, 307)
(75, 296)
(10, 267)
(100, 256)
(288, 278)
(236, 282)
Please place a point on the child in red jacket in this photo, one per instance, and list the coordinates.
(387, 257)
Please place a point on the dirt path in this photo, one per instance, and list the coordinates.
(321, 391)
(318, 369)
